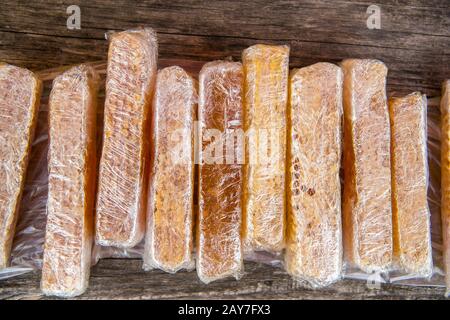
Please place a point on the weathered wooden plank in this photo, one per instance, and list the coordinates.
(125, 279)
(320, 21)
(36, 51)
(414, 40)
(409, 70)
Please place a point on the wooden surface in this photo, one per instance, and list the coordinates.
(414, 39)
(125, 279)
(414, 42)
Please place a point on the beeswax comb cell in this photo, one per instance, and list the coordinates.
(72, 173)
(20, 92)
(411, 215)
(122, 187)
(219, 252)
(169, 238)
(314, 233)
(367, 212)
(266, 71)
(445, 175)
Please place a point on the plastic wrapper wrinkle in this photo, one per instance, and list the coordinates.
(123, 172)
(219, 248)
(367, 213)
(72, 177)
(411, 214)
(445, 166)
(266, 70)
(20, 92)
(314, 234)
(170, 219)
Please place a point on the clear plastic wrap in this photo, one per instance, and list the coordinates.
(20, 92)
(219, 248)
(72, 176)
(314, 233)
(266, 71)
(411, 215)
(170, 218)
(367, 212)
(445, 165)
(434, 186)
(123, 172)
(27, 248)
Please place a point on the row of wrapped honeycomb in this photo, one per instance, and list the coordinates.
(271, 147)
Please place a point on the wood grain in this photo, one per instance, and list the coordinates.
(125, 279)
(414, 40)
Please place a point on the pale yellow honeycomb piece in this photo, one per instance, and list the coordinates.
(266, 70)
(411, 215)
(170, 219)
(314, 232)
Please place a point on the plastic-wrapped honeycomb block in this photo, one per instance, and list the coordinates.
(20, 92)
(411, 215)
(72, 176)
(219, 251)
(122, 187)
(169, 238)
(445, 175)
(367, 211)
(314, 232)
(266, 70)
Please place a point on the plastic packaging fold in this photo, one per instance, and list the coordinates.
(170, 219)
(314, 233)
(122, 186)
(72, 176)
(266, 70)
(411, 214)
(20, 92)
(367, 212)
(219, 250)
(445, 176)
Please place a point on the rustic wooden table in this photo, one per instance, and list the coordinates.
(125, 279)
(414, 42)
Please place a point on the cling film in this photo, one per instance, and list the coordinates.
(27, 247)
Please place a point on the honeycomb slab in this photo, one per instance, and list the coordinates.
(219, 249)
(367, 210)
(169, 239)
(266, 70)
(445, 175)
(20, 92)
(124, 163)
(411, 215)
(72, 176)
(314, 233)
